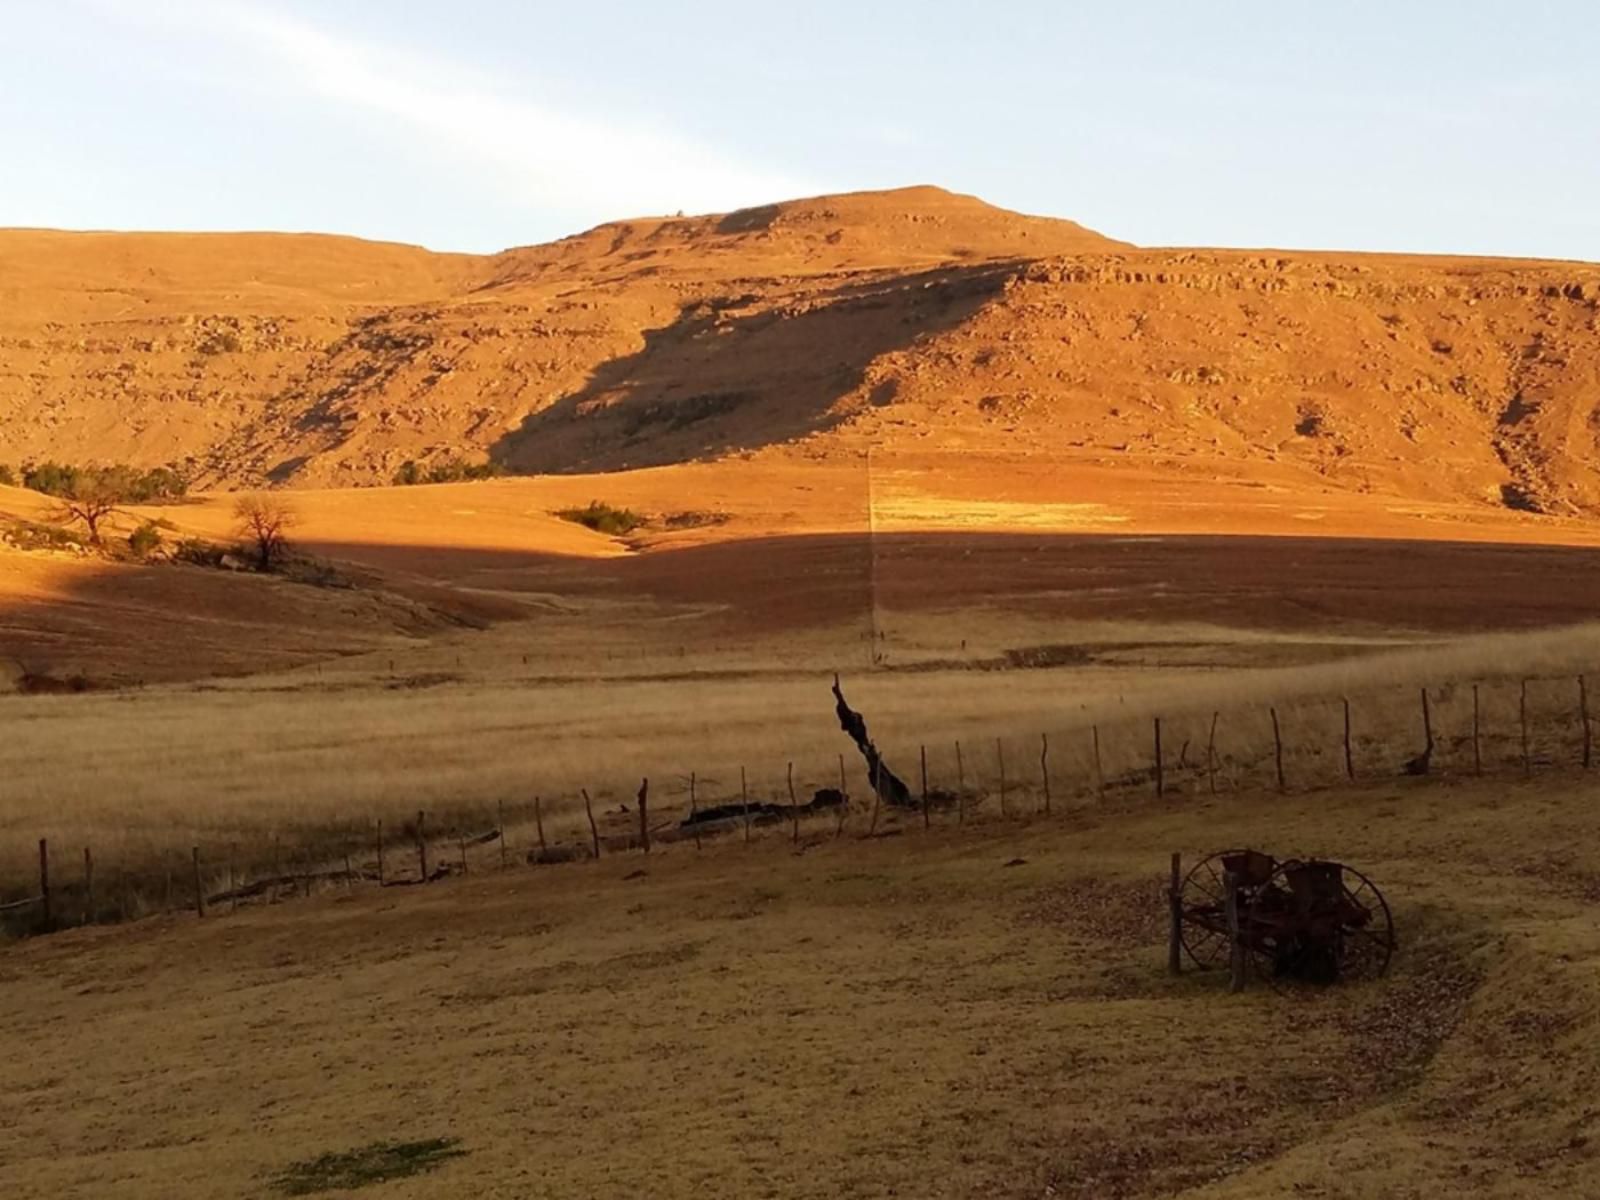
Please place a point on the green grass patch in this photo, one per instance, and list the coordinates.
(379, 1162)
(603, 518)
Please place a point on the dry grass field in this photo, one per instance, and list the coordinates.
(977, 1011)
(485, 652)
(976, 1007)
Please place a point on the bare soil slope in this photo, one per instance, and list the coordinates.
(920, 319)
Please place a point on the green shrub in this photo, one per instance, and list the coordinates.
(127, 485)
(450, 470)
(7, 477)
(50, 478)
(145, 540)
(603, 518)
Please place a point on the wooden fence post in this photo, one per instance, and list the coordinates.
(1277, 749)
(923, 751)
(199, 890)
(1044, 768)
(44, 881)
(1000, 757)
(794, 808)
(1477, 748)
(644, 814)
(233, 876)
(349, 875)
(1522, 716)
(88, 886)
(694, 807)
(538, 821)
(1161, 785)
(844, 800)
(1175, 912)
(1099, 770)
(1349, 753)
(1230, 888)
(1583, 715)
(500, 820)
(1427, 733)
(1211, 755)
(961, 788)
(461, 838)
(594, 830)
(422, 846)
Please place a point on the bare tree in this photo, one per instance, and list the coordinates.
(264, 522)
(92, 497)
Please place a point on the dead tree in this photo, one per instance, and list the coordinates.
(263, 522)
(885, 783)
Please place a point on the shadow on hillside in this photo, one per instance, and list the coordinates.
(740, 372)
(124, 624)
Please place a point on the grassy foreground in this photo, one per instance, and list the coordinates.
(967, 1011)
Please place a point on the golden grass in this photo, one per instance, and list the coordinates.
(463, 728)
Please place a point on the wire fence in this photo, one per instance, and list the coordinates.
(1455, 730)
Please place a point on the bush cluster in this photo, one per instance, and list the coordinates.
(128, 485)
(603, 518)
(450, 470)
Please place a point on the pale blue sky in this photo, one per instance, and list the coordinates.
(1468, 127)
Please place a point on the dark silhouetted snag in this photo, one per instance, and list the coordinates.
(886, 785)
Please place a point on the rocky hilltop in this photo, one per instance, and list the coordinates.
(914, 318)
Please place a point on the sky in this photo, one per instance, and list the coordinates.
(1466, 127)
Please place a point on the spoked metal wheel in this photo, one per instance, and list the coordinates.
(1205, 913)
(1367, 941)
(1318, 922)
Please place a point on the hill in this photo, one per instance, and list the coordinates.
(918, 320)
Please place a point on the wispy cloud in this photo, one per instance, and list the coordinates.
(524, 150)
